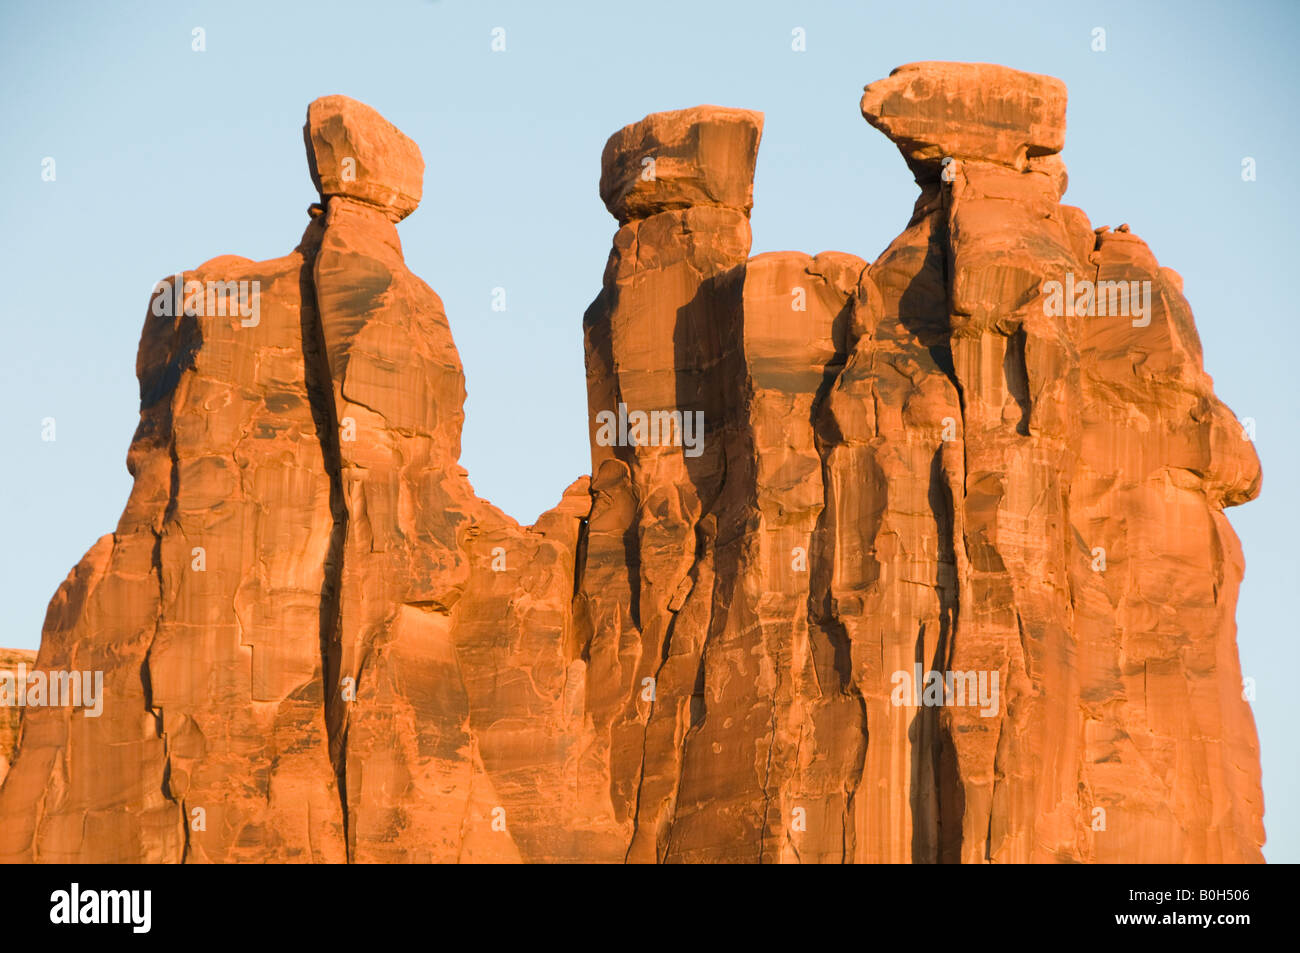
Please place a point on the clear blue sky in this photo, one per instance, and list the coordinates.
(166, 157)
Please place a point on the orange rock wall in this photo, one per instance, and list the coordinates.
(813, 478)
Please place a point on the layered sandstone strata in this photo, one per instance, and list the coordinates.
(814, 480)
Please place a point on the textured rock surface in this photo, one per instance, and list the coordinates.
(11, 715)
(693, 157)
(812, 478)
(967, 110)
(355, 152)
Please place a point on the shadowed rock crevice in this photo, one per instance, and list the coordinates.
(1017, 378)
(319, 394)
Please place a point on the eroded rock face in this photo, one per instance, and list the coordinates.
(1084, 432)
(276, 615)
(355, 152)
(11, 714)
(814, 480)
(967, 110)
(675, 160)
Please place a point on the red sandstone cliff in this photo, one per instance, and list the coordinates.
(318, 644)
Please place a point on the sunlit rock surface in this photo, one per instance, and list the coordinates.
(992, 453)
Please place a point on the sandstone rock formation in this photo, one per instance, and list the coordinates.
(11, 714)
(814, 480)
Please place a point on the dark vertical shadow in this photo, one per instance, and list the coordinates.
(709, 363)
(936, 797)
(596, 330)
(708, 354)
(320, 395)
(1016, 373)
(921, 732)
(828, 638)
(944, 777)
